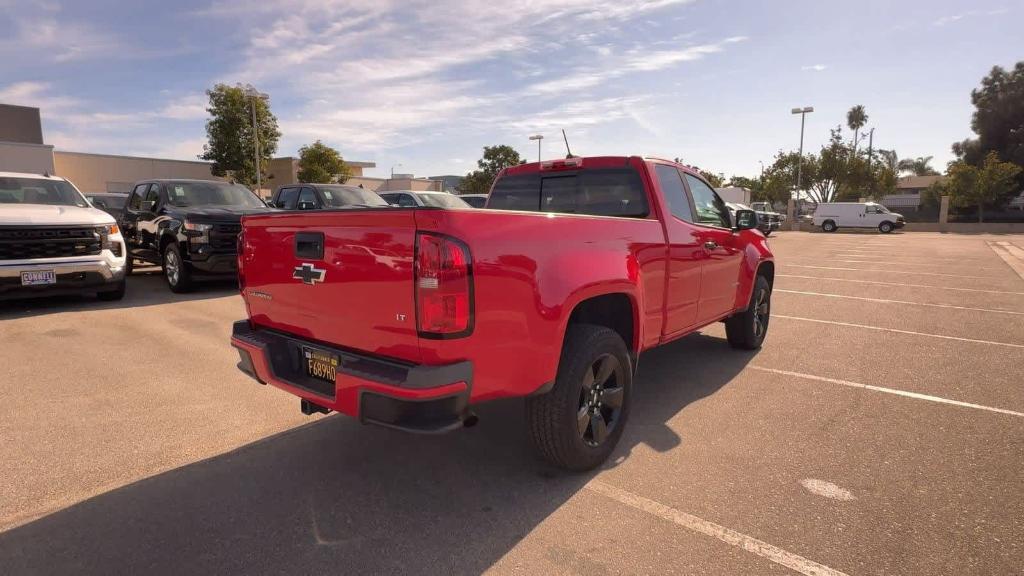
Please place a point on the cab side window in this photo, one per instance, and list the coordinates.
(153, 195)
(307, 199)
(671, 185)
(287, 198)
(135, 202)
(406, 200)
(711, 210)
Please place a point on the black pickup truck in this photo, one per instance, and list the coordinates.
(189, 227)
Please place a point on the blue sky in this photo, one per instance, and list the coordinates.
(428, 84)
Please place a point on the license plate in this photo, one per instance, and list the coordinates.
(38, 278)
(321, 365)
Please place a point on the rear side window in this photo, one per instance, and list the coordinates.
(598, 192)
(137, 195)
(671, 184)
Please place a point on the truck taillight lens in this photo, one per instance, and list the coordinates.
(240, 251)
(444, 287)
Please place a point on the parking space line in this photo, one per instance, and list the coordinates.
(689, 521)
(885, 301)
(1013, 256)
(880, 283)
(898, 331)
(895, 391)
(892, 271)
(888, 261)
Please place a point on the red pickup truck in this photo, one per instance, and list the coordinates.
(407, 317)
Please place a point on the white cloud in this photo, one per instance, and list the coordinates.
(946, 20)
(36, 94)
(814, 67)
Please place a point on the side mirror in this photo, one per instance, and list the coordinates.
(745, 220)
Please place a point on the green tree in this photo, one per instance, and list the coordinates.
(494, 160)
(889, 159)
(856, 118)
(321, 164)
(716, 180)
(998, 119)
(920, 166)
(752, 184)
(230, 145)
(992, 184)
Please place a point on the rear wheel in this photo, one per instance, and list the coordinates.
(885, 227)
(828, 226)
(176, 271)
(746, 330)
(578, 423)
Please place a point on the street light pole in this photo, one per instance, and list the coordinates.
(538, 138)
(871, 150)
(254, 94)
(800, 160)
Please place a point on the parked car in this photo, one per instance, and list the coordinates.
(52, 241)
(320, 196)
(411, 198)
(834, 215)
(616, 256)
(765, 223)
(189, 227)
(766, 208)
(474, 200)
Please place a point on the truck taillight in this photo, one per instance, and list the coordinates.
(567, 164)
(240, 250)
(444, 287)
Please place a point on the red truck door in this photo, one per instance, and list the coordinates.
(684, 253)
(720, 269)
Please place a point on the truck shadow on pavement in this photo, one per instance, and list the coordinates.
(334, 496)
(145, 288)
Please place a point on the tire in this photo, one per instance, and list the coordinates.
(828, 226)
(114, 295)
(176, 271)
(580, 398)
(746, 330)
(885, 227)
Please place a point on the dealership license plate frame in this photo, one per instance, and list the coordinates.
(38, 278)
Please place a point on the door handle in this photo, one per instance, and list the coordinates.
(710, 245)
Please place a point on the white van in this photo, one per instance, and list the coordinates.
(834, 215)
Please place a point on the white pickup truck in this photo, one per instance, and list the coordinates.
(52, 241)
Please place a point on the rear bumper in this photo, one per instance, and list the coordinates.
(73, 277)
(375, 390)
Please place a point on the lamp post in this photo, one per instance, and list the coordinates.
(251, 92)
(803, 112)
(538, 138)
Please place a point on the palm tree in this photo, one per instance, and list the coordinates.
(856, 118)
(919, 166)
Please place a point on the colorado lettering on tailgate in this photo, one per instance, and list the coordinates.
(578, 266)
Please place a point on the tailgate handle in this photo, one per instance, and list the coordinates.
(309, 245)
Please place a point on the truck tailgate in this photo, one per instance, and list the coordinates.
(358, 294)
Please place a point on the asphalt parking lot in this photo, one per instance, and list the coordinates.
(880, 430)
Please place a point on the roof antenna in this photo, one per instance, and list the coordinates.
(568, 152)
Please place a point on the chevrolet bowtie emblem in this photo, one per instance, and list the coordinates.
(309, 274)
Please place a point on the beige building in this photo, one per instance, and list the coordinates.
(110, 173)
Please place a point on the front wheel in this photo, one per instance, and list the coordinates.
(746, 330)
(828, 226)
(115, 294)
(176, 271)
(885, 227)
(578, 423)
